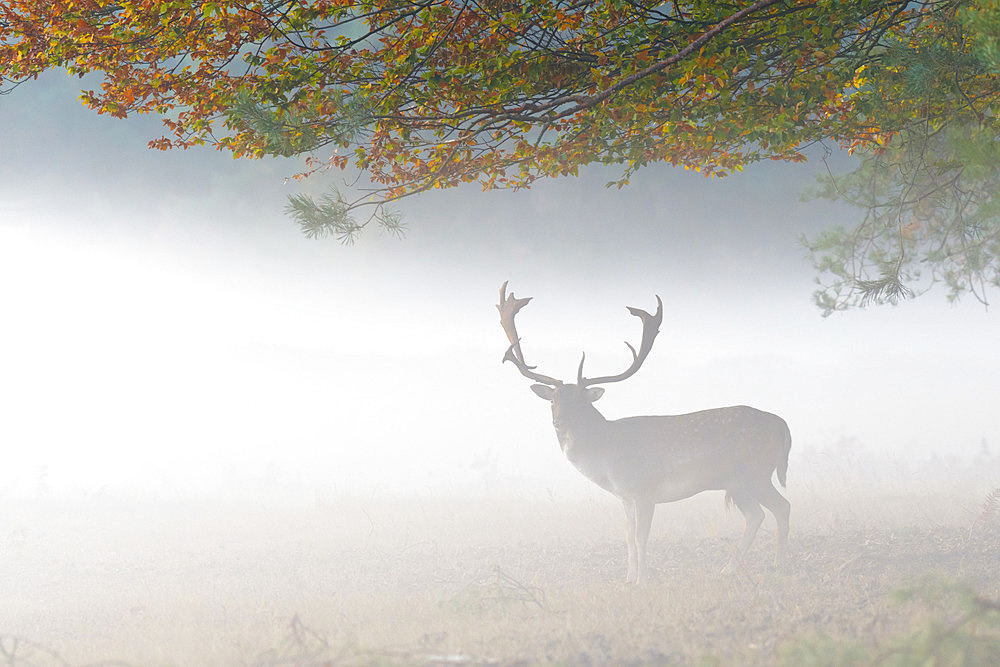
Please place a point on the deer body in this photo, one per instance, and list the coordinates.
(681, 455)
(648, 460)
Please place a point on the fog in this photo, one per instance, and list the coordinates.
(170, 339)
(168, 330)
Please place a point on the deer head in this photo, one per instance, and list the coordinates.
(573, 397)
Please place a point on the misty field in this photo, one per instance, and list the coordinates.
(500, 581)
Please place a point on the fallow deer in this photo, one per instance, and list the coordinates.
(648, 460)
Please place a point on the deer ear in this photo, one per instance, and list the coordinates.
(594, 393)
(544, 391)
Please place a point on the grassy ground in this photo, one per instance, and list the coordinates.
(447, 581)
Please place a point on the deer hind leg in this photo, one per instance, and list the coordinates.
(754, 515)
(779, 506)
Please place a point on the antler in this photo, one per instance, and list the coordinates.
(508, 307)
(650, 327)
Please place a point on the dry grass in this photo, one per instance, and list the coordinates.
(449, 581)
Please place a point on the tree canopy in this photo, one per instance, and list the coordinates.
(436, 93)
(929, 180)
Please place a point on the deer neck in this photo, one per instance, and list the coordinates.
(581, 435)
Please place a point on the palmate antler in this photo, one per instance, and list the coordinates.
(510, 305)
(650, 327)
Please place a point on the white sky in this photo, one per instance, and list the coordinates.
(166, 329)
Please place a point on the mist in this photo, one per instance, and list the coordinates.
(181, 366)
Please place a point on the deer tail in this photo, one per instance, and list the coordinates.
(782, 463)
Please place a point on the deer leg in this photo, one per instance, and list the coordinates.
(754, 516)
(779, 506)
(633, 556)
(643, 520)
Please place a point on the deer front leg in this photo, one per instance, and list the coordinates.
(638, 519)
(633, 554)
(643, 521)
